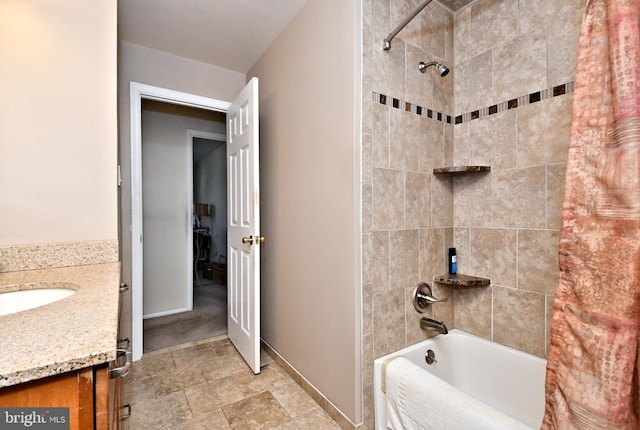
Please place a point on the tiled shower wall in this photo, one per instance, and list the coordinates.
(407, 212)
(506, 223)
(507, 104)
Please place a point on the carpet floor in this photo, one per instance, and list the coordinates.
(207, 319)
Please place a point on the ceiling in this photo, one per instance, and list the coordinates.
(231, 34)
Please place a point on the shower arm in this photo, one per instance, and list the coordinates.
(386, 44)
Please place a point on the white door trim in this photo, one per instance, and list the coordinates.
(206, 135)
(137, 92)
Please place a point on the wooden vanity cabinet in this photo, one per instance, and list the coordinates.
(85, 392)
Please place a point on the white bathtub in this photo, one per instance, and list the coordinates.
(504, 378)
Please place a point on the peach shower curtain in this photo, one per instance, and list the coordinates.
(592, 369)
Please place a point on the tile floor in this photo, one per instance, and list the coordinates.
(207, 385)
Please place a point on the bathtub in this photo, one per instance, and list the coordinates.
(503, 378)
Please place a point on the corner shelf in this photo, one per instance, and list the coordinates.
(462, 280)
(460, 170)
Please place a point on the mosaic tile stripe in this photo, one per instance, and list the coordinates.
(480, 113)
(410, 107)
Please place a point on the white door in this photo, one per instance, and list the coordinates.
(243, 226)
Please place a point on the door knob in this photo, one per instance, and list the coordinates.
(253, 240)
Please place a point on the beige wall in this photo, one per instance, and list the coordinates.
(309, 173)
(58, 121)
(504, 224)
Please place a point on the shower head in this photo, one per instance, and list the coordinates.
(443, 70)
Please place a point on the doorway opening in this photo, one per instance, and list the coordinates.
(184, 291)
(139, 94)
(243, 223)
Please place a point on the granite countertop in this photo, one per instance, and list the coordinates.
(73, 333)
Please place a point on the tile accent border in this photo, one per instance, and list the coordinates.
(16, 258)
(315, 394)
(534, 97)
(410, 107)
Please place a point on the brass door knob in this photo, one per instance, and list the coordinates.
(253, 240)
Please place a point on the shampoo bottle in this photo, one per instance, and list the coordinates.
(452, 261)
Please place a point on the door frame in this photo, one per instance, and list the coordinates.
(137, 92)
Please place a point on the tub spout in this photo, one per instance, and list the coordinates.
(433, 325)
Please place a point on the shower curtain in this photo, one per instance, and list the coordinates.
(592, 368)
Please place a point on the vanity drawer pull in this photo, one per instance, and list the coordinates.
(124, 343)
(127, 414)
(123, 370)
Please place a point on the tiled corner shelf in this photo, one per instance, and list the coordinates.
(460, 170)
(462, 280)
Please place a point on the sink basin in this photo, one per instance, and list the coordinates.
(22, 300)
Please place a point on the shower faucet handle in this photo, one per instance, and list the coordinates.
(423, 297)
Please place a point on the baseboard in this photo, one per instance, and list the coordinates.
(342, 420)
(165, 313)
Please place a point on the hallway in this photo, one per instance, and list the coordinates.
(208, 319)
(207, 385)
